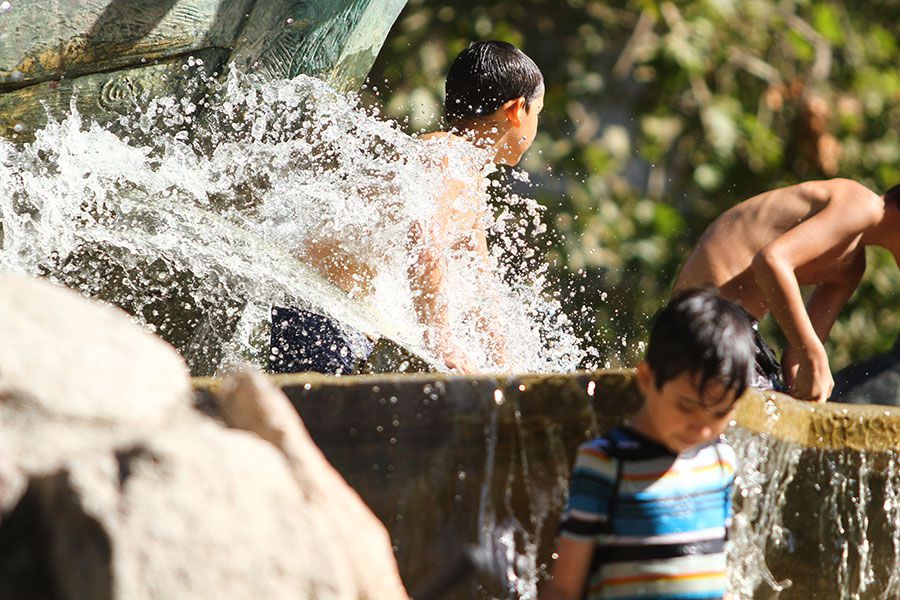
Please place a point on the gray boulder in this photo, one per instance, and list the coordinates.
(76, 375)
(113, 486)
(192, 513)
(249, 401)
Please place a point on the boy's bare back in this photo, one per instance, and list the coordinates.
(725, 253)
(763, 250)
(458, 208)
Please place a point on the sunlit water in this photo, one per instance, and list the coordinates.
(828, 516)
(194, 225)
(194, 216)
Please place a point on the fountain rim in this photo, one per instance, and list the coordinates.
(499, 380)
(828, 426)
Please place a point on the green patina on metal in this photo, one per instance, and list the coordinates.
(435, 455)
(114, 51)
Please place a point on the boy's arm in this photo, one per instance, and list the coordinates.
(426, 278)
(824, 306)
(850, 211)
(569, 572)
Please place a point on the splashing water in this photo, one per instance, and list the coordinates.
(854, 499)
(197, 214)
(766, 469)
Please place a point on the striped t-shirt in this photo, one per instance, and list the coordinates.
(659, 519)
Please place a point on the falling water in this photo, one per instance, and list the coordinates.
(766, 469)
(828, 516)
(197, 225)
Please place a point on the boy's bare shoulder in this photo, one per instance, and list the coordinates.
(440, 135)
(843, 191)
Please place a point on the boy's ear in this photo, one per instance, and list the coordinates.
(644, 377)
(514, 110)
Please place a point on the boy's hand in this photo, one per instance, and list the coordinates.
(458, 360)
(813, 380)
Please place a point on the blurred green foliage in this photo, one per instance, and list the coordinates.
(659, 116)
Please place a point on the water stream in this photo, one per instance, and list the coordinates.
(196, 226)
(813, 522)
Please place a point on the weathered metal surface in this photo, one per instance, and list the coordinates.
(445, 460)
(42, 40)
(335, 41)
(115, 49)
(102, 97)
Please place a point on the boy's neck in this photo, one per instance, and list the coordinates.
(884, 233)
(483, 135)
(640, 424)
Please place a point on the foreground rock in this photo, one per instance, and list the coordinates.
(113, 487)
(250, 402)
(76, 375)
(196, 512)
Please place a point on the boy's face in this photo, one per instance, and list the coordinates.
(677, 415)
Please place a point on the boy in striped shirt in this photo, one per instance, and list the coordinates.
(650, 502)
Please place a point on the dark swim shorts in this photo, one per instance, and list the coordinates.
(302, 341)
(767, 375)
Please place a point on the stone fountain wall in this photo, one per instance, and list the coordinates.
(450, 461)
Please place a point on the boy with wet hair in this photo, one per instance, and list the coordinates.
(650, 502)
(494, 93)
(760, 252)
(485, 77)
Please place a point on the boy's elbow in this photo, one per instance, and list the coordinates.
(765, 261)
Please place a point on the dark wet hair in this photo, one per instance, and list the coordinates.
(702, 333)
(893, 195)
(485, 76)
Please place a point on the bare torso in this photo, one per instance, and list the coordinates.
(724, 255)
(461, 216)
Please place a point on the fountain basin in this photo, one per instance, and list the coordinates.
(446, 461)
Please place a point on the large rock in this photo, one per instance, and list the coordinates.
(251, 402)
(112, 486)
(191, 513)
(72, 359)
(76, 375)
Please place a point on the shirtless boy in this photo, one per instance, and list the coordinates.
(494, 93)
(760, 252)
